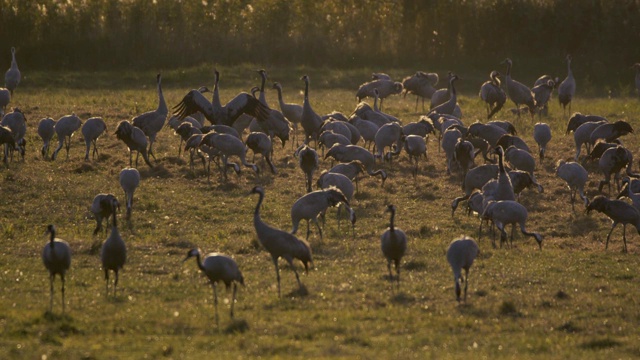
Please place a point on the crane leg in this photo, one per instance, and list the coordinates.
(466, 283)
(51, 278)
(215, 302)
(275, 262)
(606, 246)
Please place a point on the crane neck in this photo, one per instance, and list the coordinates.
(393, 215)
(256, 213)
(569, 73)
(162, 105)
(199, 261)
(52, 238)
(306, 89)
(453, 87)
(279, 89)
(500, 162)
(14, 63)
(508, 68)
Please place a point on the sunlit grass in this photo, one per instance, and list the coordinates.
(573, 299)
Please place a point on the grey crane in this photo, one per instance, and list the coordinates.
(17, 122)
(260, 143)
(394, 244)
(385, 88)
(263, 96)
(449, 106)
(46, 131)
(518, 92)
(507, 140)
(567, 88)
(103, 206)
(578, 119)
(65, 127)
(218, 267)
(228, 145)
(505, 188)
(129, 181)
(308, 161)
(423, 127)
(347, 153)
(92, 129)
(420, 84)
(490, 132)
(505, 212)
(310, 120)
(367, 129)
(463, 155)
(312, 204)
(280, 244)
(521, 160)
(175, 122)
(576, 178)
(491, 93)
(185, 131)
(135, 140)
(636, 67)
(152, 122)
(380, 112)
(416, 147)
(627, 191)
(349, 169)
(195, 146)
(610, 131)
(366, 112)
(600, 147)
(6, 139)
(619, 212)
(113, 255)
(387, 136)
(505, 125)
(380, 76)
(611, 162)
(449, 140)
(293, 112)
(582, 135)
(5, 99)
(542, 136)
(328, 138)
(12, 76)
(542, 94)
(460, 255)
(327, 180)
(338, 127)
(56, 256)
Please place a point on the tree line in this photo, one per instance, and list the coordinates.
(114, 34)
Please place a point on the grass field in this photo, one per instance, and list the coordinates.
(573, 299)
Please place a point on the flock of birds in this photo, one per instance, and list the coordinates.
(491, 189)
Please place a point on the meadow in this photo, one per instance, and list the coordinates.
(571, 300)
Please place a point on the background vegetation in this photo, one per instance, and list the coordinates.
(572, 300)
(423, 34)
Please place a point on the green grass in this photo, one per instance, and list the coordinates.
(573, 299)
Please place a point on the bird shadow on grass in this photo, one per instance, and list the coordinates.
(401, 298)
(237, 326)
(300, 292)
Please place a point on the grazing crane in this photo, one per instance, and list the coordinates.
(578, 119)
(505, 212)
(491, 93)
(308, 160)
(103, 206)
(576, 178)
(260, 143)
(542, 136)
(17, 122)
(280, 244)
(416, 147)
(113, 254)
(129, 181)
(384, 86)
(218, 267)
(46, 130)
(12, 76)
(293, 112)
(91, 131)
(6, 139)
(56, 256)
(5, 99)
(518, 92)
(347, 153)
(327, 180)
(542, 94)
(460, 255)
(228, 145)
(65, 127)
(619, 212)
(310, 120)
(394, 244)
(153, 121)
(135, 140)
(567, 88)
(314, 203)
